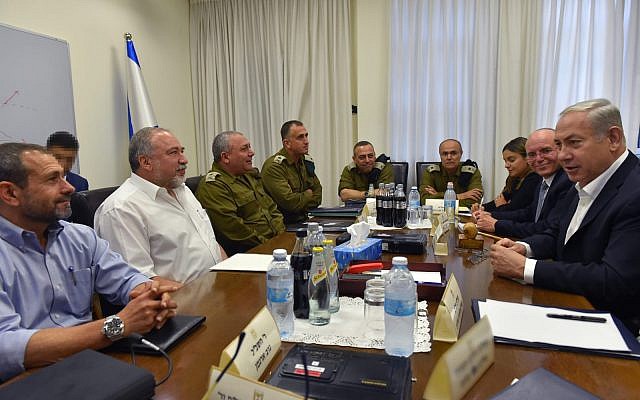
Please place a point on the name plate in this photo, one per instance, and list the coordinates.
(235, 387)
(260, 345)
(449, 313)
(463, 364)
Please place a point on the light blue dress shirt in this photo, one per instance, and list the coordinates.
(53, 287)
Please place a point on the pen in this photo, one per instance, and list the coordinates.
(584, 318)
(73, 276)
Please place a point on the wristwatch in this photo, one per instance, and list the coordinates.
(113, 328)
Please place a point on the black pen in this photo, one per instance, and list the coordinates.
(73, 276)
(584, 318)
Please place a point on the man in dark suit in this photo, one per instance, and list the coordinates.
(590, 250)
(64, 147)
(542, 156)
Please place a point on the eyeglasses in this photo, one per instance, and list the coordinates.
(542, 152)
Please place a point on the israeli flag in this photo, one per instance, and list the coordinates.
(139, 108)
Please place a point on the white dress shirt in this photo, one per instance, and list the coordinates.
(157, 233)
(587, 195)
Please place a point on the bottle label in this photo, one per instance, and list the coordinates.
(279, 295)
(401, 205)
(333, 268)
(399, 308)
(319, 276)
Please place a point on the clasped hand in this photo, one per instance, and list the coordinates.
(150, 307)
(508, 258)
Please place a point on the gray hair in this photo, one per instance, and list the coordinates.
(600, 113)
(221, 144)
(140, 145)
(12, 168)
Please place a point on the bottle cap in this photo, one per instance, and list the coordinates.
(280, 254)
(301, 232)
(312, 226)
(327, 242)
(317, 249)
(399, 261)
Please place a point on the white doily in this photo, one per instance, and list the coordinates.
(347, 329)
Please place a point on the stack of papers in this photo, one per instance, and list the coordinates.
(245, 262)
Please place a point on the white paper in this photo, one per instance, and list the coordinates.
(245, 262)
(418, 276)
(530, 323)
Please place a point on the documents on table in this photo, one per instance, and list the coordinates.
(418, 276)
(529, 323)
(245, 262)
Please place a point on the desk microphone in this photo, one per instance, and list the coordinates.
(235, 354)
(138, 338)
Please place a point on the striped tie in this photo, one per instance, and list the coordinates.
(543, 193)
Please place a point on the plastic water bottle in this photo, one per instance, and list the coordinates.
(318, 290)
(413, 211)
(399, 207)
(450, 202)
(301, 265)
(399, 309)
(332, 270)
(280, 292)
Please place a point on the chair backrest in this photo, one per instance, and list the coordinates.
(84, 204)
(192, 183)
(400, 172)
(421, 166)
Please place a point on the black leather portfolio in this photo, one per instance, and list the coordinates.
(85, 375)
(407, 243)
(173, 331)
(542, 384)
(342, 374)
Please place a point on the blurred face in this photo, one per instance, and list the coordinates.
(239, 158)
(515, 164)
(66, 157)
(47, 196)
(583, 155)
(450, 154)
(542, 153)
(168, 162)
(297, 142)
(365, 158)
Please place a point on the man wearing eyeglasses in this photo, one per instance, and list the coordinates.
(542, 157)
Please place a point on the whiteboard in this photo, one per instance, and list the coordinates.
(36, 93)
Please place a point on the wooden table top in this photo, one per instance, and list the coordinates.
(230, 299)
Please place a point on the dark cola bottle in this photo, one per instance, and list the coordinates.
(399, 208)
(301, 264)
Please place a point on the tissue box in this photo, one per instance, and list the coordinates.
(371, 249)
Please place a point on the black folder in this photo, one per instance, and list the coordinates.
(627, 336)
(336, 211)
(542, 384)
(173, 331)
(84, 375)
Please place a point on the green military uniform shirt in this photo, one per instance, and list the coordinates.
(352, 179)
(286, 182)
(242, 214)
(437, 177)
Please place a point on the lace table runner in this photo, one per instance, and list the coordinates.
(347, 329)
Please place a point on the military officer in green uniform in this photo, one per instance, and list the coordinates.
(241, 212)
(466, 177)
(365, 169)
(289, 175)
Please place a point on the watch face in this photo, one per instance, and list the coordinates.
(113, 327)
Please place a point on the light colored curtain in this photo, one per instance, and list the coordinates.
(486, 72)
(256, 64)
(442, 79)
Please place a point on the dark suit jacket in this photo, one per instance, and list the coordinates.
(600, 260)
(521, 223)
(518, 198)
(77, 181)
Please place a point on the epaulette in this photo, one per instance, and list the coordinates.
(379, 165)
(308, 158)
(211, 176)
(279, 158)
(351, 166)
(433, 168)
(469, 166)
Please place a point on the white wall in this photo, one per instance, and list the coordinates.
(94, 30)
(371, 53)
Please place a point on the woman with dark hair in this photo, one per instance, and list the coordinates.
(522, 183)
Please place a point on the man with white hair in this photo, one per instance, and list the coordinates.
(153, 219)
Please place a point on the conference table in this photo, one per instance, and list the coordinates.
(229, 300)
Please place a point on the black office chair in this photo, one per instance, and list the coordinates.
(400, 172)
(192, 183)
(84, 204)
(421, 166)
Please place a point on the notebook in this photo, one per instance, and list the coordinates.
(83, 375)
(542, 384)
(173, 331)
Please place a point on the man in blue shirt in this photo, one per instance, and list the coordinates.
(49, 270)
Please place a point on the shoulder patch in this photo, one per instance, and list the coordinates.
(470, 169)
(211, 176)
(308, 158)
(379, 165)
(433, 168)
(279, 158)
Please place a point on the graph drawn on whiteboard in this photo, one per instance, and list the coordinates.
(36, 94)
